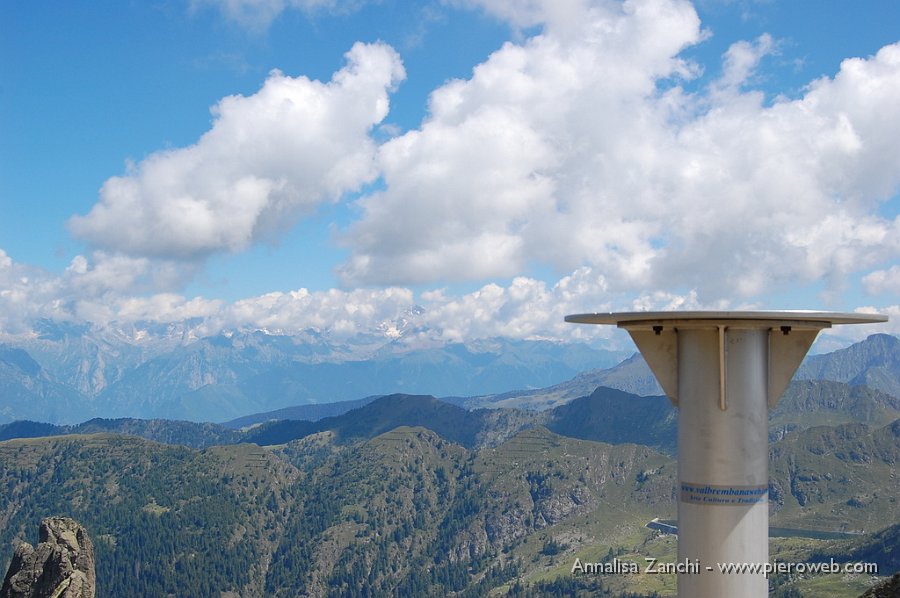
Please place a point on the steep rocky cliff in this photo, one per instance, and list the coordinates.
(62, 565)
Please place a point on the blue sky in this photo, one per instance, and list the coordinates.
(499, 163)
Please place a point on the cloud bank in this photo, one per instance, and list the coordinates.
(587, 148)
(526, 308)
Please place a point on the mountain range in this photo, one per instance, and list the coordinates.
(595, 412)
(359, 505)
(408, 494)
(66, 373)
(63, 373)
(874, 363)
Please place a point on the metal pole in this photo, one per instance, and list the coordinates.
(723, 370)
(722, 460)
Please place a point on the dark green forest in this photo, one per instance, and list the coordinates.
(407, 512)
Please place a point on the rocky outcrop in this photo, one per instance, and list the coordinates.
(889, 588)
(62, 565)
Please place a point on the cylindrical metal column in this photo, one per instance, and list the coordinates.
(722, 460)
(723, 370)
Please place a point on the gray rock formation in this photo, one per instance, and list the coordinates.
(889, 588)
(62, 565)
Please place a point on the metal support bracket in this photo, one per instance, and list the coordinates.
(787, 348)
(723, 381)
(659, 346)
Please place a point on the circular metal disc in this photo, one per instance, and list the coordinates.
(752, 318)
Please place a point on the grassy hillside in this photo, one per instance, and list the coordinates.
(164, 519)
(836, 478)
(614, 416)
(352, 510)
(808, 403)
(196, 435)
(407, 511)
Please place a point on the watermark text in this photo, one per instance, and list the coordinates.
(653, 566)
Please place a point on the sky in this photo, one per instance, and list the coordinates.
(483, 167)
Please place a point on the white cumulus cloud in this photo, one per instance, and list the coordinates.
(585, 147)
(98, 290)
(268, 158)
(883, 281)
(580, 147)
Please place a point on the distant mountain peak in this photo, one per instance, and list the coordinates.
(874, 362)
(20, 360)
